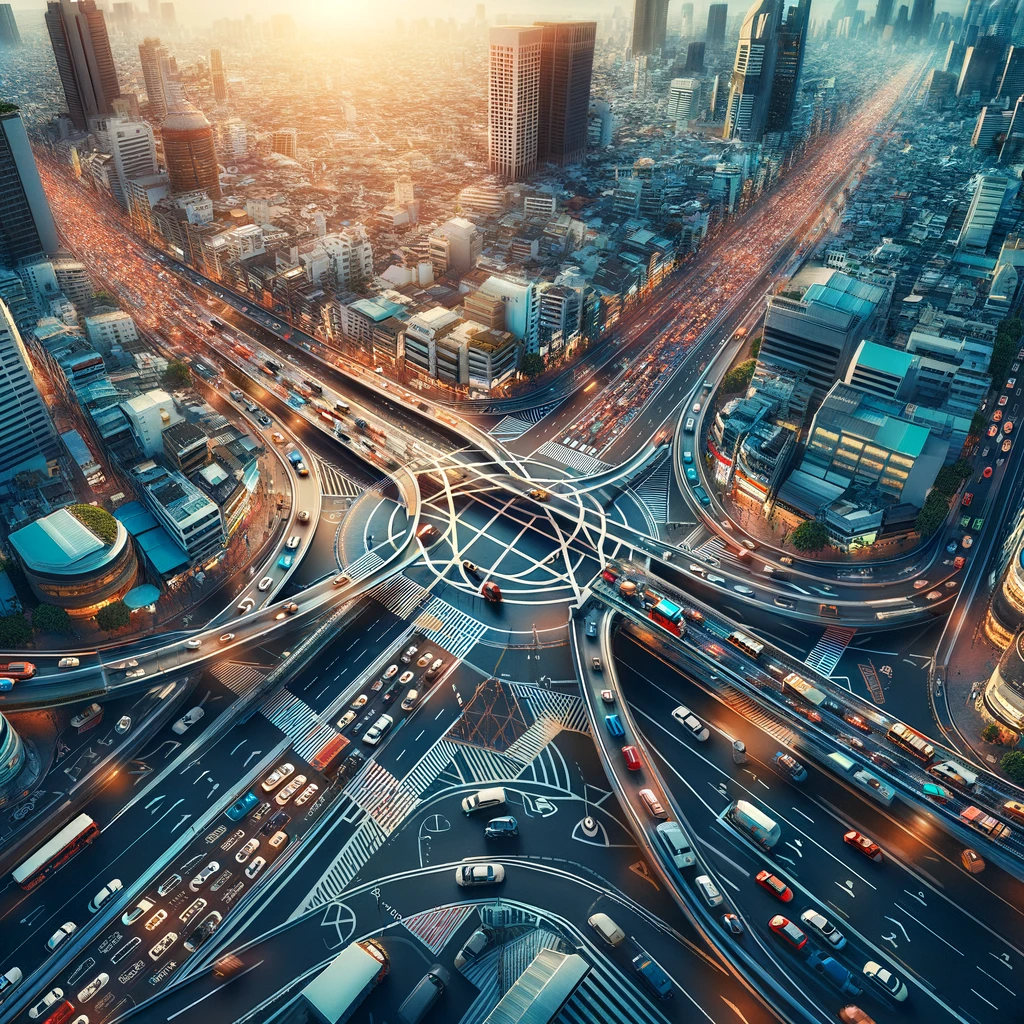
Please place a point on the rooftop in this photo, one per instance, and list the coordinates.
(61, 543)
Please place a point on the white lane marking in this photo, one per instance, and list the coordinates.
(984, 1000)
(802, 815)
(899, 924)
(927, 929)
(916, 896)
(997, 981)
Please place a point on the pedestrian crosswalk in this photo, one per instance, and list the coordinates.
(654, 491)
(825, 654)
(379, 793)
(533, 741)
(565, 708)
(333, 481)
(400, 595)
(297, 720)
(364, 565)
(605, 997)
(573, 458)
(753, 712)
(238, 678)
(450, 627)
(434, 928)
(508, 428)
(364, 842)
(478, 765)
(715, 548)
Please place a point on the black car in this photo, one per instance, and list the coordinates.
(499, 828)
(276, 823)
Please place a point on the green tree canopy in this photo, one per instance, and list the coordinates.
(15, 631)
(1004, 351)
(1013, 764)
(51, 619)
(99, 520)
(177, 375)
(114, 616)
(739, 377)
(933, 513)
(809, 536)
(533, 364)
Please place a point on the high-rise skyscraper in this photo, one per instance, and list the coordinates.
(133, 148)
(981, 68)
(513, 100)
(922, 14)
(26, 224)
(152, 53)
(286, 142)
(694, 58)
(566, 65)
(686, 20)
(167, 15)
(650, 25)
(1011, 82)
(883, 15)
(9, 34)
(790, 43)
(717, 14)
(189, 151)
(217, 79)
(683, 101)
(81, 48)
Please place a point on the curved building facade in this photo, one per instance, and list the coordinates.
(1004, 692)
(67, 565)
(12, 751)
(189, 152)
(1006, 609)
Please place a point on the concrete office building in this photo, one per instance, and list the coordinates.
(789, 60)
(192, 519)
(989, 192)
(684, 101)
(217, 79)
(133, 147)
(513, 101)
(105, 330)
(566, 66)
(694, 58)
(746, 112)
(686, 20)
(454, 246)
(981, 68)
(141, 195)
(650, 25)
(85, 64)
(522, 307)
(717, 15)
(149, 415)
(153, 53)
(26, 223)
(9, 33)
(286, 142)
(189, 152)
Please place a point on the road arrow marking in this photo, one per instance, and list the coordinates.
(640, 868)
(184, 818)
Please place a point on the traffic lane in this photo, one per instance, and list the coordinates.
(916, 893)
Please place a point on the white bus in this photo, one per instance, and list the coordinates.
(72, 838)
(338, 990)
(753, 823)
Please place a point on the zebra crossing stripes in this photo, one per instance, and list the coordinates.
(238, 678)
(449, 627)
(476, 765)
(379, 793)
(429, 767)
(364, 565)
(825, 654)
(604, 998)
(297, 720)
(364, 842)
(400, 595)
(572, 458)
(753, 712)
(333, 481)
(508, 428)
(533, 741)
(434, 928)
(654, 492)
(565, 708)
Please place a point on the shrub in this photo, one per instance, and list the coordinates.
(51, 619)
(114, 616)
(15, 631)
(1013, 764)
(990, 734)
(533, 364)
(809, 536)
(177, 375)
(96, 519)
(738, 377)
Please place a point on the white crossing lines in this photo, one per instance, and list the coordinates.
(367, 839)
(753, 712)
(825, 654)
(435, 927)
(333, 480)
(654, 491)
(565, 708)
(378, 792)
(364, 565)
(577, 460)
(449, 627)
(238, 678)
(476, 765)
(296, 719)
(717, 549)
(431, 765)
(508, 428)
(534, 740)
(604, 998)
(400, 595)
(549, 768)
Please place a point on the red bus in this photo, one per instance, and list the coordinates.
(63, 1013)
(71, 839)
(329, 753)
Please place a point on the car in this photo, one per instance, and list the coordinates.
(286, 560)
(886, 980)
(786, 559)
(854, 1015)
(687, 458)
(22, 670)
(373, 735)
(340, 581)
(66, 929)
(168, 885)
(1008, 426)
(163, 945)
(491, 592)
(277, 822)
(194, 644)
(1006, 446)
(863, 844)
(187, 720)
(1003, 399)
(6, 685)
(434, 671)
(226, 638)
(959, 562)
(359, 702)
(966, 541)
(54, 996)
(346, 719)
(775, 885)
(471, 567)
(246, 605)
(479, 874)
(406, 677)
(293, 542)
(277, 776)
(856, 721)
(261, 812)
(425, 659)
(474, 946)
(921, 584)
(501, 828)
(632, 758)
(265, 584)
(714, 578)
(277, 841)
(742, 589)
(154, 922)
(691, 475)
(68, 663)
(290, 790)
(113, 886)
(595, 664)
(702, 495)
(933, 595)
(608, 696)
(135, 673)
(689, 721)
(732, 924)
(277, 437)
(997, 416)
(131, 916)
(788, 932)
(390, 671)
(823, 928)
(967, 499)
(986, 473)
(247, 851)
(614, 725)
(993, 430)
(303, 516)
(124, 723)
(935, 792)
(788, 765)
(307, 794)
(965, 521)
(255, 866)
(209, 925)
(204, 876)
(653, 804)
(591, 628)
(882, 760)
(96, 985)
(539, 494)
(409, 702)
(408, 654)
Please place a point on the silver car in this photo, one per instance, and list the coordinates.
(204, 876)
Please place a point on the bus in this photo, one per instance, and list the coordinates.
(747, 644)
(339, 989)
(71, 839)
(243, 350)
(799, 687)
(753, 823)
(911, 741)
(668, 615)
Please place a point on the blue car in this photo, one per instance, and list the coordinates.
(614, 725)
(6, 685)
(691, 474)
(237, 811)
(702, 495)
(285, 561)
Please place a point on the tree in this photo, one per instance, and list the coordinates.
(51, 619)
(990, 733)
(755, 346)
(533, 365)
(112, 617)
(178, 375)
(933, 513)
(14, 631)
(978, 421)
(809, 536)
(738, 377)
(1004, 351)
(1013, 764)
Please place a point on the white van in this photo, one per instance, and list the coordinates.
(607, 929)
(673, 838)
(953, 771)
(483, 799)
(708, 889)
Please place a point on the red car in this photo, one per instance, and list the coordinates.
(492, 592)
(986, 472)
(993, 430)
(868, 847)
(967, 499)
(959, 562)
(775, 885)
(1008, 427)
(1003, 399)
(632, 756)
(787, 931)
(18, 670)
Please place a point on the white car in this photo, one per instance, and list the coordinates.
(131, 916)
(246, 605)
(247, 851)
(204, 876)
(97, 984)
(163, 945)
(303, 516)
(61, 934)
(390, 671)
(479, 874)
(255, 866)
(187, 720)
(55, 995)
(277, 776)
(373, 735)
(689, 721)
(135, 673)
(265, 584)
(156, 920)
(712, 578)
(226, 638)
(124, 723)
(68, 663)
(306, 794)
(742, 589)
(406, 677)
(290, 790)
(885, 979)
(114, 885)
(293, 543)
